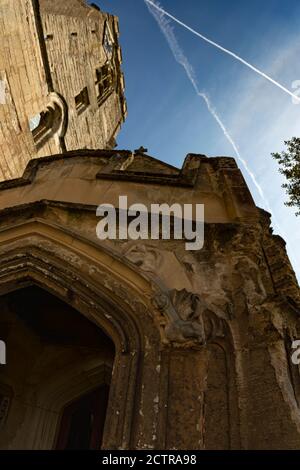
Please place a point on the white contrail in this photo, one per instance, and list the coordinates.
(159, 14)
(168, 32)
(221, 48)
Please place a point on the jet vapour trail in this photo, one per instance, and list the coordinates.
(221, 48)
(168, 32)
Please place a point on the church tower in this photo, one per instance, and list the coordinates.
(61, 85)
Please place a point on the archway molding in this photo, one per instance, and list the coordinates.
(100, 287)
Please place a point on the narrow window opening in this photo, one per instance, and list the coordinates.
(104, 82)
(82, 101)
(34, 122)
(45, 124)
(108, 42)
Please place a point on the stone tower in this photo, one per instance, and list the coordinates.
(61, 85)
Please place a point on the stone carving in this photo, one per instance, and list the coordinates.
(149, 260)
(129, 160)
(161, 301)
(190, 318)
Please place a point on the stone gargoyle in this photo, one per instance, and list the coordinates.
(190, 318)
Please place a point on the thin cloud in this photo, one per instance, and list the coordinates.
(160, 16)
(163, 12)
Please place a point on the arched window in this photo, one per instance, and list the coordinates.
(50, 122)
(45, 125)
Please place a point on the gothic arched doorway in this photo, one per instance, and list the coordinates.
(59, 368)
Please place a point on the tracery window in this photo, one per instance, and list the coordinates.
(104, 82)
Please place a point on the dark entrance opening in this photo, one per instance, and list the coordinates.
(60, 362)
(83, 422)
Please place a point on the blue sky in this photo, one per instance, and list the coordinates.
(166, 116)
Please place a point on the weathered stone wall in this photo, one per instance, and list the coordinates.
(203, 338)
(21, 69)
(75, 51)
(54, 47)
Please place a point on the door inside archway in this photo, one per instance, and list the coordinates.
(83, 421)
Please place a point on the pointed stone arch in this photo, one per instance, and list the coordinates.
(157, 333)
(100, 287)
